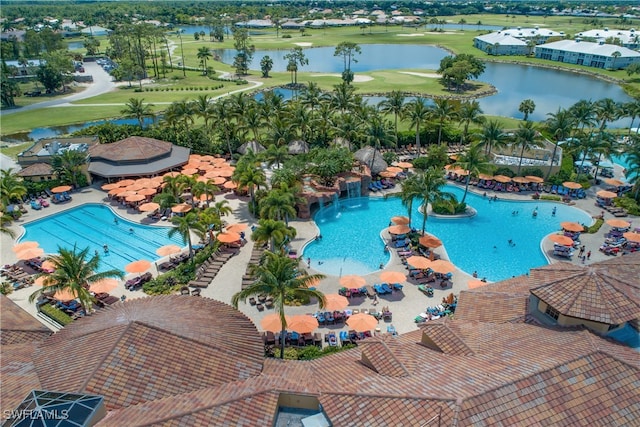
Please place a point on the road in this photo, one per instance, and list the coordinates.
(102, 83)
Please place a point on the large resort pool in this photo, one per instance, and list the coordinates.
(93, 225)
(351, 242)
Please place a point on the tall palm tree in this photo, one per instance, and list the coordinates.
(273, 232)
(429, 185)
(250, 177)
(526, 140)
(408, 193)
(281, 131)
(208, 188)
(606, 146)
(203, 54)
(68, 166)
(137, 109)
(417, 112)
(183, 226)
(11, 187)
(74, 271)
(606, 111)
(253, 121)
(378, 134)
(393, 104)
(527, 107)
(203, 108)
(442, 111)
(492, 136)
(474, 161)
(311, 95)
(278, 277)
(633, 170)
(349, 127)
(299, 115)
(632, 110)
(278, 204)
(343, 97)
(276, 155)
(559, 124)
(583, 113)
(469, 112)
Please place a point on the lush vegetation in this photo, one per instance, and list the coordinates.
(56, 314)
(310, 352)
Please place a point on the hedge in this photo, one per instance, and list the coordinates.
(55, 314)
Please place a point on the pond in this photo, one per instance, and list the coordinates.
(75, 45)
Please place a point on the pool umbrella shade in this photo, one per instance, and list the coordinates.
(48, 266)
(618, 223)
(362, 322)
(352, 281)
(386, 174)
(226, 172)
(501, 178)
(632, 237)
(172, 174)
(30, 253)
(614, 182)
(147, 191)
(430, 241)
(236, 228)
(475, 283)
(442, 266)
(138, 266)
(230, 185)
(218, 180)
(533, 178)
(108, 187)
(228, 237)
(103, 286)
(604, 194)
(303, 324)
(392, 277)
(272, 323)
(148, 207)
(190, 171)
(404, 165)
(61, 189)
(418, 262)
(561, 240)
(135, 198)
(485, 177)
(183, 208)
(117, 191)
(125, 182)
(399, 229)
(335, 302)
(64, 295)
(40, 280)
(168, 250)
(572, 226)
(400, 220)
(572, 185)
(25, 245)
(393, 169)
(520, 180)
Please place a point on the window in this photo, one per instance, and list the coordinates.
(552, 312)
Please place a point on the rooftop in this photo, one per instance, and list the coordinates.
(590, 48)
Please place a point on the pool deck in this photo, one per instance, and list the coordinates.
(405, 304)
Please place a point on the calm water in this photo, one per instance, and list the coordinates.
(75, 45)
(92, 225)
(478, 243)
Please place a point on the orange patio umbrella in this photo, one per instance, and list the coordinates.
(148, 207)
(30, 253)
(212, 173)
(392, 277)
(157, 180)
(236, 228)
(204, 197)
(418, 261)
(117, 191)
(217, 180)
(618, 223)
(40, 280)
(352, 281)
(168, 250)
(108, 187)
(394, 169)
(461, 172)
(430, 241)
(632, 237)
(196, 157)
(614, 182)
(572, 185)
(604, 194)
(442, 266)
(501, 178)
(24, 245)
(362, 322)
(485, 177)
(218, 160)
(400, 220)
(61, 189)
(399, 229)
(228, 237)
(48, 265)
(207, 158)
(138, 266)
(171, 174)
(147, 191)
(561, 240)
(202, 179)
(143, 182)
(387, 174)
(533, 178)
(302, 324)
(103, 286)
(182, 208)
(126, 193)
(230, 185)
(135, 198)
(226, 172)
(520, 179)
(64, 295)
(272, 322)
(571, 226)
(335, 302)
(475, 283)
(205, 167)
(125, 182)
(404, 165)
(189, 171)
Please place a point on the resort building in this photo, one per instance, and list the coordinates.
(598, 55)
(500, 44)
(35, 161)
(627, 38)
(537, 34)
(530, 350)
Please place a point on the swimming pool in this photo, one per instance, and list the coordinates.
(351, 244)
(93, 225)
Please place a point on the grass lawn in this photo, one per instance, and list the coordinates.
(14, 149)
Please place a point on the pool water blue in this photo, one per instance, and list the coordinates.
(92, 225)
(351, 242)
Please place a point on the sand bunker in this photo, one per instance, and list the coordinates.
(357, 78)
(430, 75)
(410, 35)
(303, 44)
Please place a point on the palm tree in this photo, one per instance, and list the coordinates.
(276, 155)
(584, 114)
(470, 112)
(68, 166)
(250, 177)
(343, 97)
(444, 110)
(274, 232)
(4, 220)
(253, 121)
(74, 271)
(183, 226)
(11, 187)
(408, 193)
(527, 107)
(492, 136)
(526, 139)
(311, 95)
(300, 117)
(278, 277)
(378, 134)
(633, 170)
(278, 204)
(204, 187)
(559, 124)
(417, 112)
(393, 104)
(474, 161)
(137, 109)
(606, 110)
(632, 109)
(203, 54)
(203, 108)
(606, 146)
(615, 55)
(429, 186)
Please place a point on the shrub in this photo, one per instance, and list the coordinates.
(595, 227)
(421, 163)
(286, 36)
(55, 314)
(449, 207)
(550, 197)
(533, 172)
(505, 171)
(627, 202)
(6, 288)
(309, 352)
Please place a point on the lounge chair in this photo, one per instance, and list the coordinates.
(386, 288)
(332, 339)
(370, 291)
(43, 202)
(35, 205)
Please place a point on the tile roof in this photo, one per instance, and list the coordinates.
(593, 292)
(134, 148)
(506, 301)
(17, 326)
(17, 374)
(377, 354)
(445, 339)
(36, 169)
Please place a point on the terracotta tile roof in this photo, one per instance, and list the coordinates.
(377, 354)
(134, 148)
(506, 301)
(17, 374)
(204, 343)
(445, 339)
(593, 292)
(36, 169)
(17, 326)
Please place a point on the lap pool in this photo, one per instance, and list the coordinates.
(92, 225)
(351, 244)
